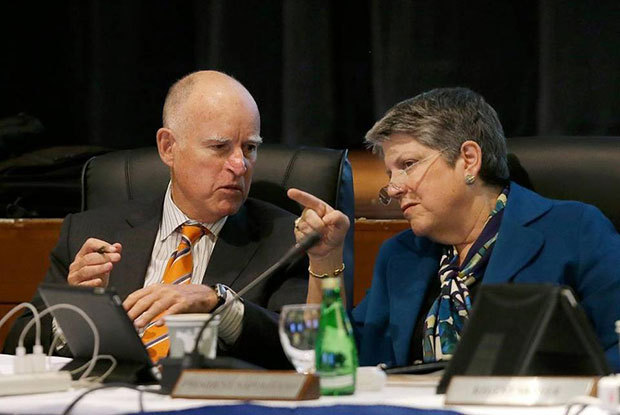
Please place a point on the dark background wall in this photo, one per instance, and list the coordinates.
(96, 72)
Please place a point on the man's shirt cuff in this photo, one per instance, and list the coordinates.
(231, 319)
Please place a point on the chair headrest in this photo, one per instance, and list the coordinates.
(125, 175)
(586, 169)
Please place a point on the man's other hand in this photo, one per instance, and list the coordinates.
(156, 301)
(93, 263)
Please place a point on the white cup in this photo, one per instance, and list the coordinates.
(182, 332)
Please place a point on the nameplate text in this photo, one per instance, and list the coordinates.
(246, 384)
(517, 391)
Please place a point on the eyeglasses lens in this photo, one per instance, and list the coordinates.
(384, 198)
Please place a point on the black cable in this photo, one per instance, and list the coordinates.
(107, 386)
(584, 406)
(141, 399)
(580, 410)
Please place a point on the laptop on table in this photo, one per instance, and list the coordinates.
(117, 334)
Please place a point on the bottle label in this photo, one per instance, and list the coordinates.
(333, 382)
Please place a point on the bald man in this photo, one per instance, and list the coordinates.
(209, 140)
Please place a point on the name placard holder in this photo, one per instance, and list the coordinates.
(246, 385)
(517, 390)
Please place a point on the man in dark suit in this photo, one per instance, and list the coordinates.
(209, 140)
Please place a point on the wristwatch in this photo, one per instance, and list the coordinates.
(221, 292)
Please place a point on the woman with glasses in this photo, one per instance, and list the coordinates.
(445, 155)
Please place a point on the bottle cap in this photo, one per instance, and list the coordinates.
(330, 283)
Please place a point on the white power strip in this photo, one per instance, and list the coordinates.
(26, 383)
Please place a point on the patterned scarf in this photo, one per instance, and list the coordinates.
(445, 320)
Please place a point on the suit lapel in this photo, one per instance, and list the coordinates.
(137, 240)
(233, 250)
(517, 244)
(515, 247)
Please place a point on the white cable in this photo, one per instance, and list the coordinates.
(53, 344)
(99, 379)
(107, 373)
(36, 318)
(88, 320)
(81, 368)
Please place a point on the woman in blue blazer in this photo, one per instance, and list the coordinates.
(445, 153)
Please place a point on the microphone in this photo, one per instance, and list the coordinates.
(195, 358)
(298, 249)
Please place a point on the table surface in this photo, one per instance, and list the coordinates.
(400, 391)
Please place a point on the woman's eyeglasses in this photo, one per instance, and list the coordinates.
(400, 175)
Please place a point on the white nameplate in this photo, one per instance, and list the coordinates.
(246, 384)
(517, 391)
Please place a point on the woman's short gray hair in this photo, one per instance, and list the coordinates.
(444, 118)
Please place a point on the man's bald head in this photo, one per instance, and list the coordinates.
(208, 89)
(210, 143)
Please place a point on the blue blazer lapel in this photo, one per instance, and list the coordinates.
(408, 278)
(517, 244)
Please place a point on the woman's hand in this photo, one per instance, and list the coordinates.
(320, 217)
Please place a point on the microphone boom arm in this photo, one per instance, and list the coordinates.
(299, 248)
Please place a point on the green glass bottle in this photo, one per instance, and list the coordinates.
(336, 353)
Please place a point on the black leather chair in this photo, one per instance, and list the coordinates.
(586, 169)
(125, 175)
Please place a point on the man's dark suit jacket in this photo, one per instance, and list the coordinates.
(250, 241)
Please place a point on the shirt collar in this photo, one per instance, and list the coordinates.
(173, 217)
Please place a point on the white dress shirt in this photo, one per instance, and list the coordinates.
(166, 242)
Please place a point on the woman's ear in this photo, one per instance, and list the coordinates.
(471, 153)
(165, 143)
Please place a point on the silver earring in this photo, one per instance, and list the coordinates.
(469, 179)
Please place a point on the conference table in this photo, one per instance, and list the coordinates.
(406, 395)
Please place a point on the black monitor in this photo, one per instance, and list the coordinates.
(527, 330)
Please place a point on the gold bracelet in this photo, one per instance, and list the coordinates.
(335, 273)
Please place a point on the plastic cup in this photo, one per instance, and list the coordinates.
(182, 332)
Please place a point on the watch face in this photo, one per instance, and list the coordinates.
(221, 293)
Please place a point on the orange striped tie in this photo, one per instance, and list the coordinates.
(178, 271)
